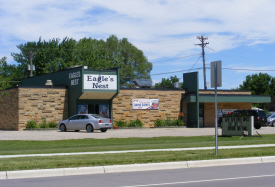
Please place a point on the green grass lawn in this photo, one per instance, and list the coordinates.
(26, 163)
(9, 147)
(117, 144)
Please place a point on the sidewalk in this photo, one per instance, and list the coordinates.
(117, 133)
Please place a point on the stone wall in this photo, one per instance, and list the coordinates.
(9, 109)
(209, 111)
(25, 104)
(38, 103)
(169, 104)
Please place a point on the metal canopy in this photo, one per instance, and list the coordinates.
(98, 95)
(204, 98)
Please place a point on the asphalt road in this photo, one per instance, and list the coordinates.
(237, 175)
(117, 133)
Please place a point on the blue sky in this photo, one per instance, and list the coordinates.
(240, 32)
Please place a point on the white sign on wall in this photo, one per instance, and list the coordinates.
(145, 104)
(100, 82)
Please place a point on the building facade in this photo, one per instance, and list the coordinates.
(59, 95)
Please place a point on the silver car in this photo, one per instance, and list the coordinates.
(89, 122)
(271, 120)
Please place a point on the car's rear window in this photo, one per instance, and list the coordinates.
(261, 114)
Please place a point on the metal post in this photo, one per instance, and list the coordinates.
(31, 64)
(216, 111)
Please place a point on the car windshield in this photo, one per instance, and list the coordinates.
(273, 116)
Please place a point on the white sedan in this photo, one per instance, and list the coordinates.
(89, 122)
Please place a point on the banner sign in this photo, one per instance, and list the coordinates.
(146, 104)
(104, 110)
(82, 109)
(100, 82)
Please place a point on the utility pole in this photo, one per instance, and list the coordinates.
(30, 53)
(203, 44)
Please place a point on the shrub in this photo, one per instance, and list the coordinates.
(179, 122)
(159, 123)
(52, 125)
(31, 125)
(162, 123)
(43, 125)
(135, 123)
(121, 123)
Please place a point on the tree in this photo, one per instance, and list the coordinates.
(168, 83)
(262, 84)
(54, 55)
(9, 74)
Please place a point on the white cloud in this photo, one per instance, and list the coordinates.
(163, 29)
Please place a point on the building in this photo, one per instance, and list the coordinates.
(59, 95)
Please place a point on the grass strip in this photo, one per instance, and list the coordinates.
(27, 163)
(10, 147)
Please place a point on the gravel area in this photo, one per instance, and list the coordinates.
(116, 133)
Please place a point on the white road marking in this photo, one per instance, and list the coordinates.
(210, 180)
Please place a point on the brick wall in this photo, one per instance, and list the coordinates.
(169, 104)
(25, 104)
(9, 110)
(209, 111)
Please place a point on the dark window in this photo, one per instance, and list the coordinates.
(74, 118)
(83, 117)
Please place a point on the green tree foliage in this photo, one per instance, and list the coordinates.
(259, 84)
(9, 74)
(54, 55)
(168, 83)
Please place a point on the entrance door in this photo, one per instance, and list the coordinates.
(93, 109)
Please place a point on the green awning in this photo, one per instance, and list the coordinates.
(232, 98)
(204, 98)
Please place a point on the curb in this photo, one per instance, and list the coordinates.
(132, 167)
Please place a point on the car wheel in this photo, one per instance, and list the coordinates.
(257, 126)
(90, 128)
(103, 130)
(273, 123)
(63, 128)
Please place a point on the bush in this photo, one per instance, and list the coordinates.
(43, 125)
(121, 123)
(178, 122)
(31, 125)
(162, 123)
(52, 125)
(135, 123)
(159, 123)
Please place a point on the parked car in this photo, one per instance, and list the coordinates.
(271, 120)
(89, 122)
(260, 118)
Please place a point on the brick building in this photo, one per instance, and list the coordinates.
(57, 96)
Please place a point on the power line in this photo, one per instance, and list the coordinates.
(195, 63)
(176, 71)
(248, 69)
(176, 58)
